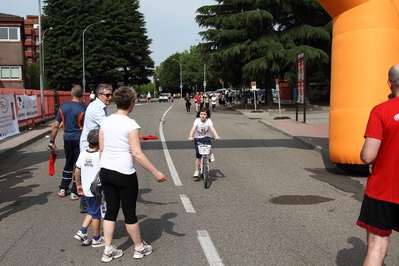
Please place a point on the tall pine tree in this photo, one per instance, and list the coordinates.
(115, 51)
(259, 39)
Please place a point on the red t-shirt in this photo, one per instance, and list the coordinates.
(383, 124)
(197, 98)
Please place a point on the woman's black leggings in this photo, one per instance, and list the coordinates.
(119, 189)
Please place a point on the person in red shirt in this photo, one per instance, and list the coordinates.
(379, 213)
(197, 99)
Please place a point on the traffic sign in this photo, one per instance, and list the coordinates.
(253, 85)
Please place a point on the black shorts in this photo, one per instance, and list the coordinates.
(378, 217)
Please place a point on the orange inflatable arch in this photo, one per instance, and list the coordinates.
(365, 45)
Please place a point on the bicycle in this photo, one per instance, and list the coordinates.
(204, 148)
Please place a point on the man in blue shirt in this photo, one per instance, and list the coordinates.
(71, 117)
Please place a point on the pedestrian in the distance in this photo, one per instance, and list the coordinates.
(71, 116)
(87, 167)
(120, 149)
(379, 213)
(197, 100)
(213, 102)
(187, 100)
(92, 96)
(148, 99)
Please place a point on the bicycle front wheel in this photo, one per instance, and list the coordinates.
(206, 172)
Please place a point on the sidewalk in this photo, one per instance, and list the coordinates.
(313, 133)
(11, 144)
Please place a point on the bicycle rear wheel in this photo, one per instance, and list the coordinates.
(206, 172)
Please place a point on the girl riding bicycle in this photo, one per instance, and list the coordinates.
(201, 131)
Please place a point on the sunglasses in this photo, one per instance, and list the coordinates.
(108, 95)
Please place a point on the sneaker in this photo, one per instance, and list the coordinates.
(61, 193)
(82, 238)
(212, 158)
(114, 254)
(196, 174)
(98, 243)
(73, 197)
(139, 254)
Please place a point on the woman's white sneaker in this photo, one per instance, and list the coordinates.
(145, 251)
(113, 254)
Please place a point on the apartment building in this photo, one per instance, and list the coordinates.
(12, 63)
(31, 41)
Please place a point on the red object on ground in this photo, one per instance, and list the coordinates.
(51, 162)
(149, 137)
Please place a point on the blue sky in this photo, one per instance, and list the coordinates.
(170, 23)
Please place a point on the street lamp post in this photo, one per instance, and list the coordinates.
(204, 71)
(204, 78)
(40, 65)
(181, 81)
(42, 57)
(83, 53)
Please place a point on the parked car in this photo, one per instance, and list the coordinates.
(164, 97)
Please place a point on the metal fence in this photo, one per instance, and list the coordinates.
(52, 100)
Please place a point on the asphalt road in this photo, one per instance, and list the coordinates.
(272, 201)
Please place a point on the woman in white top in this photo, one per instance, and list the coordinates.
(119, 149)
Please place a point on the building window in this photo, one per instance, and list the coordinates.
(28, 38)
(9, 34)
(29, 60)
(29, 49)
(10, 72)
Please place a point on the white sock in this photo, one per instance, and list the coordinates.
(108, 249)
(141, 247)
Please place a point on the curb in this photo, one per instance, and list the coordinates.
(300, 139)
(6, 152)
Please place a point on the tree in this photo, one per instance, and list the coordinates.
(32, 76)
(259, 39)
(115, 51)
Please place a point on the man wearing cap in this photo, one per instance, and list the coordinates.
(71, 117)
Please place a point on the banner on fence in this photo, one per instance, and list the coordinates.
(8, 116)
(27, 106)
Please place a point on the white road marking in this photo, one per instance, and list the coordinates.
(209, 249)
(203, 237)
(187, 204)
(171, 166)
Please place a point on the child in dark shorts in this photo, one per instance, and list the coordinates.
(87, 167)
